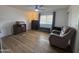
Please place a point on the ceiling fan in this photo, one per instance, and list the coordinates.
(39, 7)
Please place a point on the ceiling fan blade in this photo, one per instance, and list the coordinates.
(36, 6)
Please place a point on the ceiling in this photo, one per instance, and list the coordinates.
(44, 7)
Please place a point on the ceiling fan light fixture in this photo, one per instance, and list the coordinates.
(36, 10)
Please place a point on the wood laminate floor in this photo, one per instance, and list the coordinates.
(29, 42)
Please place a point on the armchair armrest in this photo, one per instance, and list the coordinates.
(56, 31)
(55, 35)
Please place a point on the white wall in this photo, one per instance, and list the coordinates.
(8, 16)
(61, 17)
(74, 22)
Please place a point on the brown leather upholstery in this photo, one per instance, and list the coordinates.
(62, 41)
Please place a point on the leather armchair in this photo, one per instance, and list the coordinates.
(63, 40)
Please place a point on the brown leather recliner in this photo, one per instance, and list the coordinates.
(64, 38)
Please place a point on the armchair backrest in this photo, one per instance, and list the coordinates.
(70, 33)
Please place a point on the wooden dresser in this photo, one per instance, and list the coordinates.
(19, 28)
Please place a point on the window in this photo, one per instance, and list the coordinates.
(46, 21)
